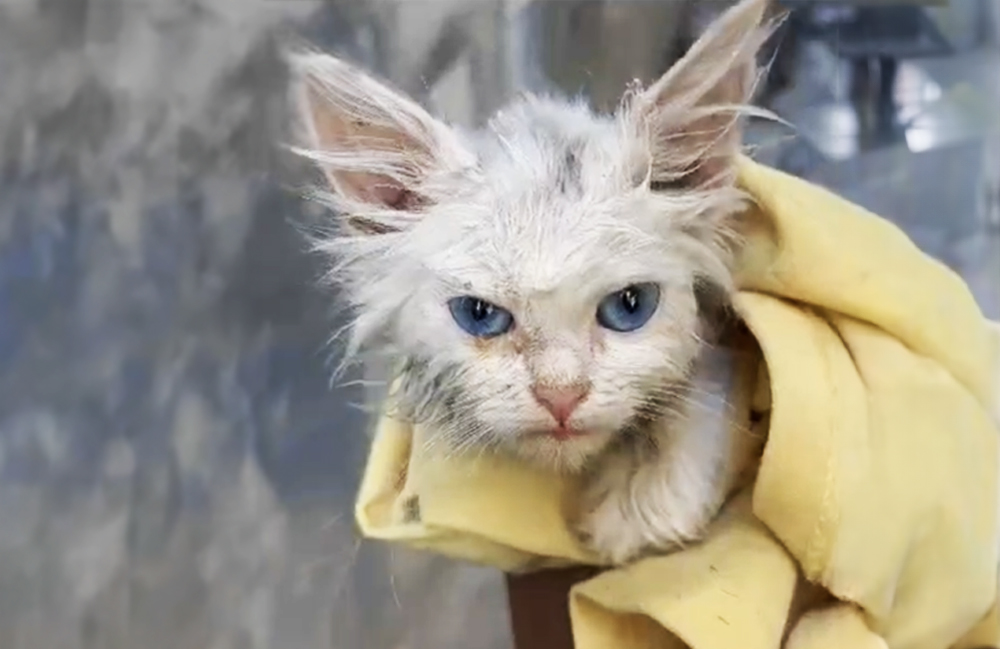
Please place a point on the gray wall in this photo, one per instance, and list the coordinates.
(175, 469)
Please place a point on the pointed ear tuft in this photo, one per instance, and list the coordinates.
(691, 114)
(376, 148)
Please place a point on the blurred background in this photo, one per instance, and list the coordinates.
(176, 471)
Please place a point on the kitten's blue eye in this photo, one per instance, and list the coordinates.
(629, 308)
(480, 318)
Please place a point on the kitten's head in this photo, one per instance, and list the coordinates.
(538, 279)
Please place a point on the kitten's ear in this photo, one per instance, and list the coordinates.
(691, 114)
(376, 147)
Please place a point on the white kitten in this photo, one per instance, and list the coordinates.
(540, 280)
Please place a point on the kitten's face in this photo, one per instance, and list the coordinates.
(557, 233)
(537, 278)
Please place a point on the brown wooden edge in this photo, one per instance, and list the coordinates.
(539, 607)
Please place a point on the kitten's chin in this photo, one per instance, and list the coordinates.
(562, 454)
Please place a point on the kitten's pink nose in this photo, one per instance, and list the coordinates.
(560, 401)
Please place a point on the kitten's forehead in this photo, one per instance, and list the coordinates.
(545, 148)
(556, 205)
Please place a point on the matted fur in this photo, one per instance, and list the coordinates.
(545, 211)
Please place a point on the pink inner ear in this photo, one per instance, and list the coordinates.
(390, 196)
(375, 188)
(337, 131)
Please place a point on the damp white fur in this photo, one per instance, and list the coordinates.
(544, 212)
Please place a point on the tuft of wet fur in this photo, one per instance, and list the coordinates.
(545, 211)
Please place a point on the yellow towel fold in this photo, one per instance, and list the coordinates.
(878, 480)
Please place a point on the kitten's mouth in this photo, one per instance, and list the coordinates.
(563, 433)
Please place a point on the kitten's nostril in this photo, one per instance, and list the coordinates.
(560, 401)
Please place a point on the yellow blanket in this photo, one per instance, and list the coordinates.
(879, 478)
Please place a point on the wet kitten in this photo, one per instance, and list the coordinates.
(540, 280)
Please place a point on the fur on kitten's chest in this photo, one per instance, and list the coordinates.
(657, 488)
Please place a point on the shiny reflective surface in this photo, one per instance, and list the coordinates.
(175, 469)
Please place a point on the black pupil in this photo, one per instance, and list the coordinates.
(630, 300)
(481, 310)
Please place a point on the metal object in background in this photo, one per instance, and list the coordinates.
(874, 54)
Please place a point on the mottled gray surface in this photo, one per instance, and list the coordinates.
(176, 471)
